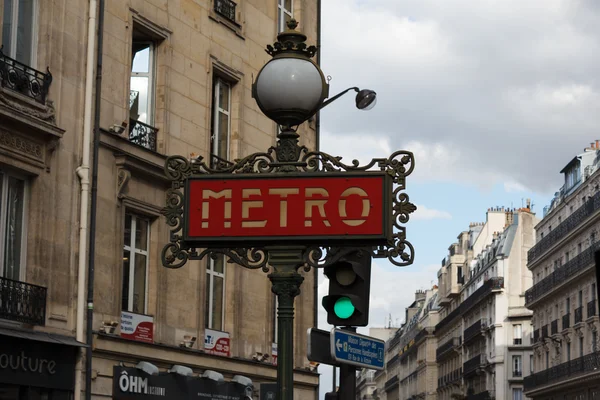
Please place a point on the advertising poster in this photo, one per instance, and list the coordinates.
(217, 342)
(137, 327)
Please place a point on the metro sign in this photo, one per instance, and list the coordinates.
(303, 208)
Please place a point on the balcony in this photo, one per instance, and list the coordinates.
(471, 366)
(472, 331)
(562, 274)
(591, 308)
(446, 348)
(487, 288)
(480, 396)
(22, 302)
(566, 227)
(450, 378)
(567, 370)
(536, 335)
(226, 9)
(578, 315)
(391, 383)
(23, 79)
(554, 327)
(142, 134)
(566, 321)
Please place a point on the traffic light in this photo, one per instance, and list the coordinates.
(347, 303)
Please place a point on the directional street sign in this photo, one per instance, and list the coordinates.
(359, 350)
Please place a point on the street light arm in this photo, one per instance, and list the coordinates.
(337, 96)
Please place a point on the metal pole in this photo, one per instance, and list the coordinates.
(286, 282)
(334, 383)
(347, 377)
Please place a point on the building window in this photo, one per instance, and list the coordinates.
(141, 84)
(12, 237)
(568, 351)
(541, 235)
(567, 257)
(135, 263)
(221, 127)
(592, 238)
(578, 248)
(517, 363)
(215, 293)
(568, 305)
(580, 347)
(285, 12)
(580, 298)
(594, 341)
(18, 30)
(517, 394)
(531, 363)
(547, 359)
(517, 334)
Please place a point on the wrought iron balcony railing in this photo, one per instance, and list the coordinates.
(22, 302)
(142, 134)
(480, 396)
(517, 373)
(225, 8)
(591, 308)
(562, 274)
(554, 327)
(572, 222)
(578, 314)
(446, 348)
(450, 378)
(566, 321)
(24, 79)
(567, 370)
(487, 288)
(472, 331)
(471, 365)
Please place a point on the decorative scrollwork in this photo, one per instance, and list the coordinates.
(400, 252)
(174, 256)
(251, 258)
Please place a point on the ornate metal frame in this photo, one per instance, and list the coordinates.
(286, 157)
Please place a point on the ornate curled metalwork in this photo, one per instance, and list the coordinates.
(286, 157)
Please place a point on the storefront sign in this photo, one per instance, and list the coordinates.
(301, 208)
(137, 327)
(23, 362)
(217, 342)
(135, 384)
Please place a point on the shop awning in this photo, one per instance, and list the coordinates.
(41, 337)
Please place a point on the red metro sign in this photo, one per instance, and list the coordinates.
(305, 208)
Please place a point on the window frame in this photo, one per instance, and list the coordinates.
(518, 391)
(12, 52)
(216, 111)
(281, 13)
(210, 275)
(132, 252)
(5, 176)
(517, 337)
(151, 75)
(517, 365)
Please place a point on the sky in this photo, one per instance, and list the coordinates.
(493, 98)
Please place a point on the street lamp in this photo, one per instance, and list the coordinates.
(291, 88)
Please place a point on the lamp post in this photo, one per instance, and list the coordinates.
(290, 89)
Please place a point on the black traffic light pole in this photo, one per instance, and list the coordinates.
(347, 377)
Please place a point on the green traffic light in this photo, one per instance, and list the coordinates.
(343, 308)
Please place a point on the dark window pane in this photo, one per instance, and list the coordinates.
(141, 234)
(139, 284)
(207, 303)
(217, 306)
(127, 230)
(14, 228)
(125, 295)
(7, 26)
(25, 32)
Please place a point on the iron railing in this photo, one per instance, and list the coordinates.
(23, 79)
(554, 327)
(591, 308)
(487, 288)
(225, 8)
(567, 370)
(517, 373)
(578, 314)
(572, 222)
(142, 134)
(566, 321)
(450, 378)
(471, 365)
(22, 302)
(480, 396)
(446, 348)
(562, 274)
(472, 331)
(393, 361)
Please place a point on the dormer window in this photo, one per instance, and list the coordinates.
(572, 176)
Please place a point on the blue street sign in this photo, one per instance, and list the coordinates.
(359, 350)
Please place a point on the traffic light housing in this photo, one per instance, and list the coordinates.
(347, 303)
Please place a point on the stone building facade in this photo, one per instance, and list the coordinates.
(177, 79)
(564, 297)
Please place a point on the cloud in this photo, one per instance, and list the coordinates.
(424, 213)
(483, 92)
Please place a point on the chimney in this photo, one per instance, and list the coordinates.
(529, 204)
(509, 219)
(420, 295)
(597, 144)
